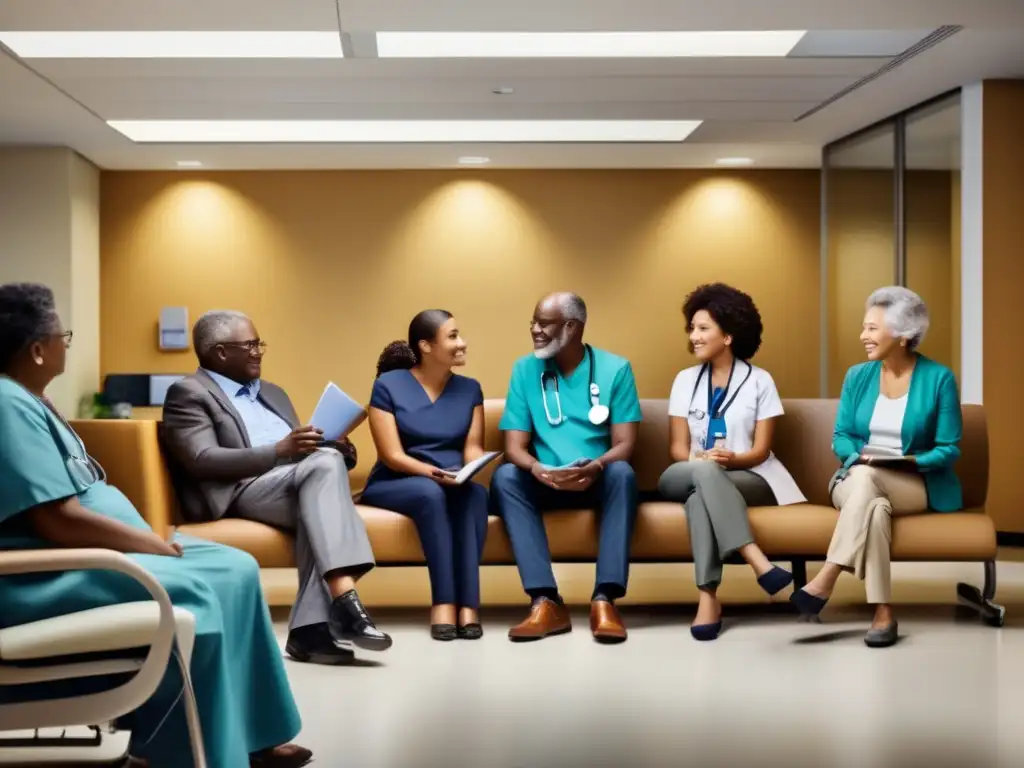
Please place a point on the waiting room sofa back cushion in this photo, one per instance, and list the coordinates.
(131, 453)
(803, 442)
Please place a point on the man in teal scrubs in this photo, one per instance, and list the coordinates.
(570, 422)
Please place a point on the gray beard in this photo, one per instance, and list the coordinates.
(552, 349)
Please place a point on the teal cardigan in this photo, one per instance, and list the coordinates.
(932, 425)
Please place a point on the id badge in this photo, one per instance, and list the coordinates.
(715, 434)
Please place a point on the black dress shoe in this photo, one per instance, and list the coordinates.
(443, 632)
(349, 622)
(471, 632)
(286, 756)
(314, 644)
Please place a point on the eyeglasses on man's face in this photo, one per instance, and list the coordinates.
(546, 324)
(66, 337)
(253, 346)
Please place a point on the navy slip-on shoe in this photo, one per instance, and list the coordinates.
(808, 604)
(775, 580)
(705, 632)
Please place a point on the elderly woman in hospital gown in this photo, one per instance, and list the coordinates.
(52, 494)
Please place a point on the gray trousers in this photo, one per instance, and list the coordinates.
(312, 498)
(716, 502)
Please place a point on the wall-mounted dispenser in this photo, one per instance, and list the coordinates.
(174, 331)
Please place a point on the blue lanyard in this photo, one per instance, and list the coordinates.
(716, 410)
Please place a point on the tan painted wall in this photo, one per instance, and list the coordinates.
(332, 265)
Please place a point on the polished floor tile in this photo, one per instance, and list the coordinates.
(771, 691)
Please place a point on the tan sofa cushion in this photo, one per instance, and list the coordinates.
(802, 530)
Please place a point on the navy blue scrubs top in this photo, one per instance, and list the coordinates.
(434, 433)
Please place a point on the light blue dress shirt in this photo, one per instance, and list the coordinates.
(263, 425)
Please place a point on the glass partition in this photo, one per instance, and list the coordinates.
(932, 205)
(861, 240)
(891, 215)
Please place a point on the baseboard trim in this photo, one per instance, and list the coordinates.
(1010, 539)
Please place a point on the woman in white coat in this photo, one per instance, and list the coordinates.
(721, 424)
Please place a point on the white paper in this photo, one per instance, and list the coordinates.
(336, 414)
(571, 465)
(473, 467)
(877, 451)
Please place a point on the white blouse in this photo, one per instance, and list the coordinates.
(886, 428)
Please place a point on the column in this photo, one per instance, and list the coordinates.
(49, 216)
(992, 273)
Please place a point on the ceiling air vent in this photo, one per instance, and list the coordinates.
(922, 45)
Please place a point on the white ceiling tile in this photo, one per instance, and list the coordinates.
(748, 105)
(139, 94)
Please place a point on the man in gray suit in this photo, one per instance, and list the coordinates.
(241, 452)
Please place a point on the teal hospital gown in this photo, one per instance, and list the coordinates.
(245, 703)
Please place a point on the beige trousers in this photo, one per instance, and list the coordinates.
(867, 498)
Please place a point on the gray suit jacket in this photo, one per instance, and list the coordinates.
(211, 457)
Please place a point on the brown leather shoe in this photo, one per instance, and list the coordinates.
(606, 623)
(285, 756)
(546, 618)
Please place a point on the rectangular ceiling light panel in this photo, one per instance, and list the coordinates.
(174, 45)
(403, 131)
(598, 45)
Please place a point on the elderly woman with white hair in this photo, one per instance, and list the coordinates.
(897, 435)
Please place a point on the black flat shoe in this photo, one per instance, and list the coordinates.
(806, 603)
(314, 645)
(443, 632)
(472, 631)
(349, 622)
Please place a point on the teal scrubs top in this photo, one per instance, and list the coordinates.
(576, 437)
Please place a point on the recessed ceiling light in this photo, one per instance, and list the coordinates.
(474, 160)
(174, 45)
(404, 131)
(189, 164)
(734, 162)
(489, 45)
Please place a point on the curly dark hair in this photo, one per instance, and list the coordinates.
(734, 312)
(405, 354)
(397, 355)
(27, 314)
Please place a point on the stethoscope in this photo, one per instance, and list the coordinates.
(598, 413)
(80, 467)
(717, 409)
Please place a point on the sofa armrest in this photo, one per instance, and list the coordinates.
(129, 452)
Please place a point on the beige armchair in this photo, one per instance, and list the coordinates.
(24, 649)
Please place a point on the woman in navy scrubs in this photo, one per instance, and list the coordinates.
(424, 418)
